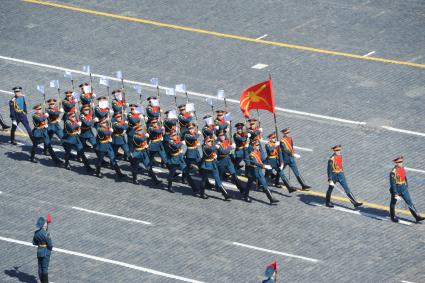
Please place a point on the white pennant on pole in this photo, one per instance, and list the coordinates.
(54, 83)
(190, 107)
(172, 114)
(119, 75)
(76, 96)
(170, 91)
(155, 82)
(220, 94)
(68, 75)
(209, 120)
(104, 81)
(209, 100)
(181, 88)
(40, 88)
(86, 69)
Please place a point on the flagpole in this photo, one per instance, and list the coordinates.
(59, 99)
(157, 91)
(72, 84)
(187, 97)
(91, 83)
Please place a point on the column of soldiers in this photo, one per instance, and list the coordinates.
(90, 125)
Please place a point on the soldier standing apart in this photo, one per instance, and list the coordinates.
(40, 135)
(336, 175)
(255, 173)
(398, 189)
(274, 155)
(44, 249)
(287, 148)
(18, 113)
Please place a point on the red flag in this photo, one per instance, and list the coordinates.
(49, 218)
(259, 96)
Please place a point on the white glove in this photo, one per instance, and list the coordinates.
(46, 126)
(331, 183)
(277, 143)
(217, 127)
(199, 132)
(261, 130)
(126, 122)
(111, 111)
(397, 197)
(249, 135)
(14, 123)
(162, 139)
(79, 123)
(147, 135)
(233, 145)
(281, 167)
(94, 94)
(217, 146)
(61, 110)
(46, 114)
(191, 114)
(96, 119)
(228, 122)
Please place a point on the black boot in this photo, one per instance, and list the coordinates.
(202, 191)
(33, 149)
(270, 196)
(288, 186)
(416, 215)
(45, 151)
(12, 136)
(66, 164)
(86, 163)
(246, 195)
(40, 276)
(54, 156)
(98, 173)
(353, 200)
(224, 193)
(235, 181)
(3, 125)
(276, 182)
(392, 213)
(184, 178)
(328, 197)
(304, 186)
(120, 175)
(135, 177)
(191, 183)
(153, 176)
(46, 277)
(169, 186)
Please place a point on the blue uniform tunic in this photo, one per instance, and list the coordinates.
(18, 113)
(192, 155)
(54, 127)
(118, 137)
(69, 105)
(287, 149)
(336, 172)
(71, 138)
(184, 121)
(134, 120)
(39, 132)
(153, 112)
(44, 245)
(156, 146)
(104, 146)
(101, 113)
(223, 158)
(87, 124)
(86, 98)
(399, 186)
(209, 166)
(118, 106)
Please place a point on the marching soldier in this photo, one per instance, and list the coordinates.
(156, 146)
(119, 127)
(87, 124)
(153, 110)
(104, 147)
(54, 112)
(176, 162)
(44, 245)
(255, 172)
(336, 175)
(287, 149)
(274, 157)
(399, 190)
(224, 149)
(185, 119)
(69, 104)
(192, 156)
(118, 103)
(170, 126)
(209, 128)
(254, 132)
(241, 140)
(18, 113)
(40, 135)
(140, 154)
(209, 167)
(220, 121)
(71, 140)
(134, 119)
(86, 97)
(101, 111)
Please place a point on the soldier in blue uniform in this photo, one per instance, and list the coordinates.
(153, 110)
(220, 122)
(255, 172)
(140, 154)
(87, 124)
(118, 103)
(241, 140)
(209, 129)
(40, 135)
(274, 157)
(170, 126)
(156, 146)
(185, 119)
(69, 105)
(104, 147)
(399, 189)
(101, 111)
(118, 136)
(336, 175)
(54, 112)
(18, 113)
(209, 167)
(254, 132)
(71, 140)
(192, 155)
(86, 95)
(288, 153)
(134, 119)
(270, 273)
(224, 161)
(44, 245)
(176, 161)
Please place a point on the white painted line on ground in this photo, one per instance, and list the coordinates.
(189, 92)
(259, 66)
(414, 170)
(275, 252)
(110, 261)
(403, 131)
(7, 92)
(404, 281)
(111, 215)
(370, 53)
(361, 213)
(261, 37)
(303, 148)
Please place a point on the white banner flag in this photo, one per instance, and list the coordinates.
(54, 83)
(86, 89)
(138, 89)
(140, 110)
(181, 88)
(155, 81)
(86, 68)
(209, 101)
(172, 114)
(190, 107)
(68, 75)
(118, 95)
(103, 104)
(209, 121)
(76, 96)
(170, 91)
(220, 94)
(104, 81)
(119, 75)
(40, 88)
(228, 117)
(155, 102)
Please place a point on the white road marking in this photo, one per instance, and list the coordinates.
(111, 215)
(7, 92)
(189, 92)
(370, 53)
(303, 148)
(414, 170)
(275, 252)
(110, 261)
(404, 281)
(403, 131)
(259, 66)
(261, 37)
(362, 213)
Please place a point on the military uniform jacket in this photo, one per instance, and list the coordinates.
(274, 155)
(71, 132)
(192, 143)
(53, 119)
(335, 167)
(209, 156)
(208, 131)
(134, 120)
(104, 139)
(255, 165)
(221, 123)
(153, 112)
(185, 119)
(87, 98)
(40, 125)
(69, 105)
(398, 180)
(42, 240)
(169, 124)
(287, 148)
(101, 112)
(15, 109)
(255, 134)
(176, 152)
(118, 105)
(155, 137)
(87, 123)
(118, 136)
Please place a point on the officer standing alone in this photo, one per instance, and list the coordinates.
(44, 249)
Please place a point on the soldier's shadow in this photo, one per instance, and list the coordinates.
(21, 276)
(17, 155)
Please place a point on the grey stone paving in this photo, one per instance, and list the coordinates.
(192, 237)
